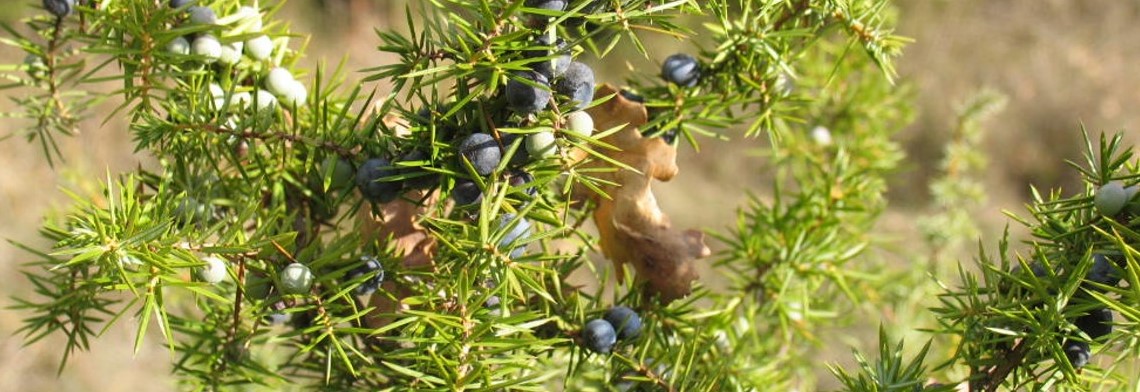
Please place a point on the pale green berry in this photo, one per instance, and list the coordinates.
(296, 278)
(207, 47)
(821, 136)
(279, 81)
(214, 271)
(541, 144)
(1110, 198)
(230, 54)
(340, 172)
(178, 45)
(295, 95)
(259, 48)
(580, 122)
(35, 66)
(218, 94)
(216, 90)
(241, 100)
(265, 100)
(1133, 201)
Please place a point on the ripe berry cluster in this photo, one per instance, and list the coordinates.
(620, 323)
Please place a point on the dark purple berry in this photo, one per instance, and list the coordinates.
(625, 321)
(492, 302)
(526, 98)
(60, 8)
(418, 178)
(1077, 352)
(1096, 323)
(277, 318)
(1038, 269)
(519, 179)
(577, 83)
(553, 5)
(599, 336)
(681, 69)
(369, 180)
(1103, 271)
(520, 157)
(482, 151)
(371, 267)
(550, 68)
(515, 234)
(629, 95)
(179, 3)
(466, 192)
(669, 135)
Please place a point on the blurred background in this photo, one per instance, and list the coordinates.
(1060, 63)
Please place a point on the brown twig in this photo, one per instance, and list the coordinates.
(272, 135)
(996, 375)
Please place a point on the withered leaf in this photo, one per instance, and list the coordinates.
(397, 221)
(632, 228)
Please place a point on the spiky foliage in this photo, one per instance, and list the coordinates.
(245, 176)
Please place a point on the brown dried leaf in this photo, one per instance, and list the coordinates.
(631, 226)
(397, 221)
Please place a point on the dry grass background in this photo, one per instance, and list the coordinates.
(1062, 63)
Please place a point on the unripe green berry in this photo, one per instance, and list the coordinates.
(541, 145)
(279, 81)
(241, 100)
(207, 47)
(35, 66)
(230, 54)
(1110, 198)
(295, 95)
(1133, 201)
(580, 122)
(259, 48)
(178, 45)
(216, 90)
(265, 100)
(296, 278)
(340, 172)
(821, 135)
(214, 271)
